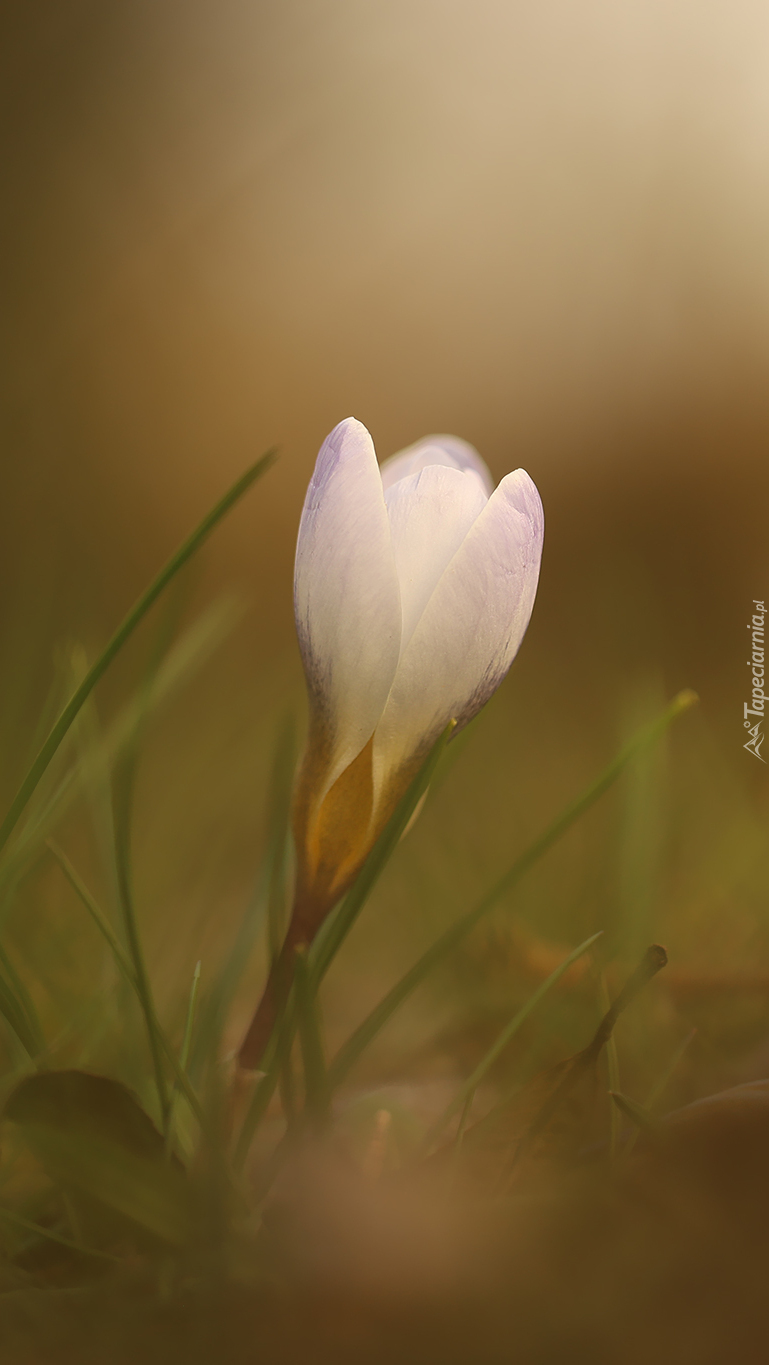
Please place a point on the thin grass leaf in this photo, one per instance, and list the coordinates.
(316, 1095)
(612, 1067)
(279, 853)
(184, 1055)
(24, 1001)
(216, 1003)
(124, 784)
(463, 1121)
(338, 925)
(189, 1024)
(15, 1018)
(659, 1087)
(99, 918)
(637, 1113)
(583, 1064)
(464, 1096)
(124, 792)
(288, 1089)
(456, 933)
(137, 613)
(260, 1101)
(187, 654)
(278, 1048)
(48, 1234)
(657, 1090)
(279, 834)
(126, 967)
(267, 896)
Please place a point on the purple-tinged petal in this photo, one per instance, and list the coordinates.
(430, 514)
(346, 596)
(469, 631)
(449, 451)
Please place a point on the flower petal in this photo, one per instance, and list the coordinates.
(470, 630)
(442, 450)
(430, 514)
(346, 596)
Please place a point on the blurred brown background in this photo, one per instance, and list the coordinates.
(541, 226)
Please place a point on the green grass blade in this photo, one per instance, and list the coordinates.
(279, 834)
(315, 1078)
(15, 986)
(464, 1095)
(14, 1016)
(215, 1004)
(263, 1092)
(186, 550)
(659, 1087)
(47, 1233)
(278, 1049)
(188, 653)
(268, 895)
(124, 783)
(331, 938)
(119, 953)
(184, 1055)
(456, 933)
(459, 1136)
(126, 967)
(612, 1065)
(638, 1115)
(123, 801)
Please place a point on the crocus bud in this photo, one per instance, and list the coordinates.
(413, 588)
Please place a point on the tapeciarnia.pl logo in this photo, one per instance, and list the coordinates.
(755, 707)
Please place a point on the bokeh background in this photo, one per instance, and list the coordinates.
(540, 226)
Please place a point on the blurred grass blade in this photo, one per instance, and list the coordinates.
(187, 654)
(184, 1055)
(14, 987)
(461, 1126)
(123, 788)
(15, 1016)
(315, 1079)
(186, 550)
(48, 1234)
(279, 834)
(99, 918)
(278, 1049)
(264, 1090)
(338, 925)
(583, 1065)
(127, 969)
(637, 1114)
(456, 933)
(612, 1066)
(124, 783)
(268, 895)
(464, 1095)
(659, 1087)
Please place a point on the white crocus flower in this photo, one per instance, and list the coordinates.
(413, 588)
